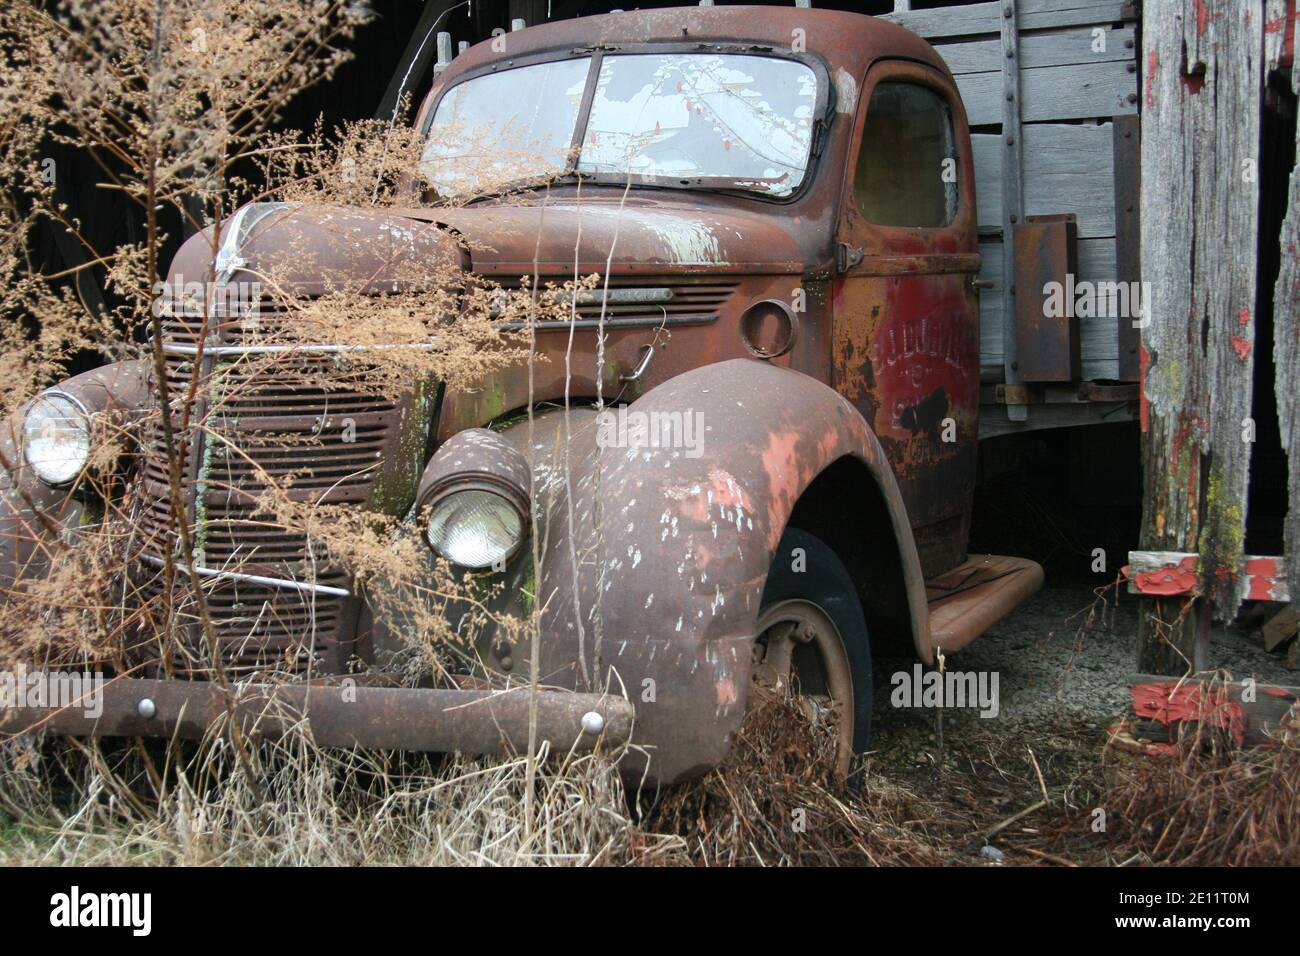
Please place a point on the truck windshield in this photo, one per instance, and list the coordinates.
(688, 119)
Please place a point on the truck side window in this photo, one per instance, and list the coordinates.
(907, 165)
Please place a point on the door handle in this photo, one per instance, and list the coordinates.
(846, 256)
(640, 369)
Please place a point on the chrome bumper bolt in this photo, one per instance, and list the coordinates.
(593, 722)
(146, 708)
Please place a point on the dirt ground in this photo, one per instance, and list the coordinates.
(1063, 660)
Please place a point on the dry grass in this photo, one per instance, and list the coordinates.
(99, 805)
(1208, 804)
(774, 802)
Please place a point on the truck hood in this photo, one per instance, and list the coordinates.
(630, 234)
(313, 249)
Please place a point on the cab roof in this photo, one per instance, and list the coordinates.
(850, 42)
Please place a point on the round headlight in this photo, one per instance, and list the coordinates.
(56, 438)
(474, 528)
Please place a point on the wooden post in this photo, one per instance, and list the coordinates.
(1286, 310)
(444, 53)
(1200, 140)
(1012, 197)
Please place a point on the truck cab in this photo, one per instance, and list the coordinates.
(816, 167)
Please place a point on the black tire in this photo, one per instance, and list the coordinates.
(825, 581)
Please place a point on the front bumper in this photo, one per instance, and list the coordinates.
(336, 715)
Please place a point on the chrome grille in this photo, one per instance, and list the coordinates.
(277, 423)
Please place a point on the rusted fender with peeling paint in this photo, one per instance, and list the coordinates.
(667, 595)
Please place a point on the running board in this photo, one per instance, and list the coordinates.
(972, 597)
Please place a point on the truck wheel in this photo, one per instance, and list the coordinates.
(812, 641)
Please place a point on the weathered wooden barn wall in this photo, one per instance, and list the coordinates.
(1076, 63)
(1203, 82)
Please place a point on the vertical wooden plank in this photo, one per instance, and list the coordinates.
(1277, 14)
(1012, 197)
(1127, 159)
(1200, 141)
(1227, 208)
(1286, 316)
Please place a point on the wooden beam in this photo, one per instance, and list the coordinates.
(1280, 628)
(976, 18)
(415, 58)
(1063, 48)
(1126, 181)
(445, 53)
(1176, 573)
(1072, 91)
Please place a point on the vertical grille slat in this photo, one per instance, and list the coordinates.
(283, 425)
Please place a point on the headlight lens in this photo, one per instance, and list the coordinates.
(56, 438)
(474, 528)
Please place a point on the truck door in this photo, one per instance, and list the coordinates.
(906, 318)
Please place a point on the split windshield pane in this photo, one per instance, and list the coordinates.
(688, 115)
(505, 127)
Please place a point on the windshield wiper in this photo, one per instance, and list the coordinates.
(760, 184)
(514, 186)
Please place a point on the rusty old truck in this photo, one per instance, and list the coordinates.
(781, 207)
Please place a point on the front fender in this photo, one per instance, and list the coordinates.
(31, 512)
(673, 544)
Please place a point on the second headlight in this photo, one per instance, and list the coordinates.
(474, 528)
(474, 500)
